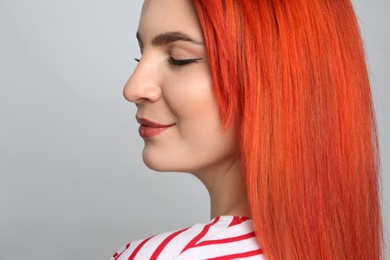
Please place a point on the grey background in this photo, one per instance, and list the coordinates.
(72, 181)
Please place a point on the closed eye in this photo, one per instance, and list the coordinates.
(177, 62)
(183, 62)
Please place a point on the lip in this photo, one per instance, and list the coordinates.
(148, 128)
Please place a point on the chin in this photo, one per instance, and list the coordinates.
(165, 163)
(157, 163)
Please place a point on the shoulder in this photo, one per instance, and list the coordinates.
(222, 238)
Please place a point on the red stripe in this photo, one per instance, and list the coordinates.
(237, 256)
(135, 252)
(226, 240)
(163, 244)
(200, 235)
(237, 220)
(117, 255)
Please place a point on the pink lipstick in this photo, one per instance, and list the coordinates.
(148, 129)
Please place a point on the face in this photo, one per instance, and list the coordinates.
(172, 89)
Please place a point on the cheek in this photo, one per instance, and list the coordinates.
(192, 99)
(197, 140)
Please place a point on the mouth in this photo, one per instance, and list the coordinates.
(148, 128)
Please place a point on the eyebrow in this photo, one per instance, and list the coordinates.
(169, 37)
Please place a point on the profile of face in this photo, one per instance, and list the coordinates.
(172, 88)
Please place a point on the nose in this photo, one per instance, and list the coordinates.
(143, 84)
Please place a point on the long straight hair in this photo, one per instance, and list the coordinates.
(292, 77)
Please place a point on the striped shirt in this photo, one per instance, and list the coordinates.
(223, 238)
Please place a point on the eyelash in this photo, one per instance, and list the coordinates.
(182, 62)
(178, 62)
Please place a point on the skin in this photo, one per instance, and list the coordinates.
(172, 86)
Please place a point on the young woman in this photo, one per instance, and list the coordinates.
(268, 103)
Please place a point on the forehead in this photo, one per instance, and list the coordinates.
(160, 16)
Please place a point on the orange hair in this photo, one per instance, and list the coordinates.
(291, 75)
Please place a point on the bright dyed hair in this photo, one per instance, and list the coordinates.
(292, 77)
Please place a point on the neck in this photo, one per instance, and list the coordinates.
(226, 187)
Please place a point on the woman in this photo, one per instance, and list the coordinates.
(268, 104)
